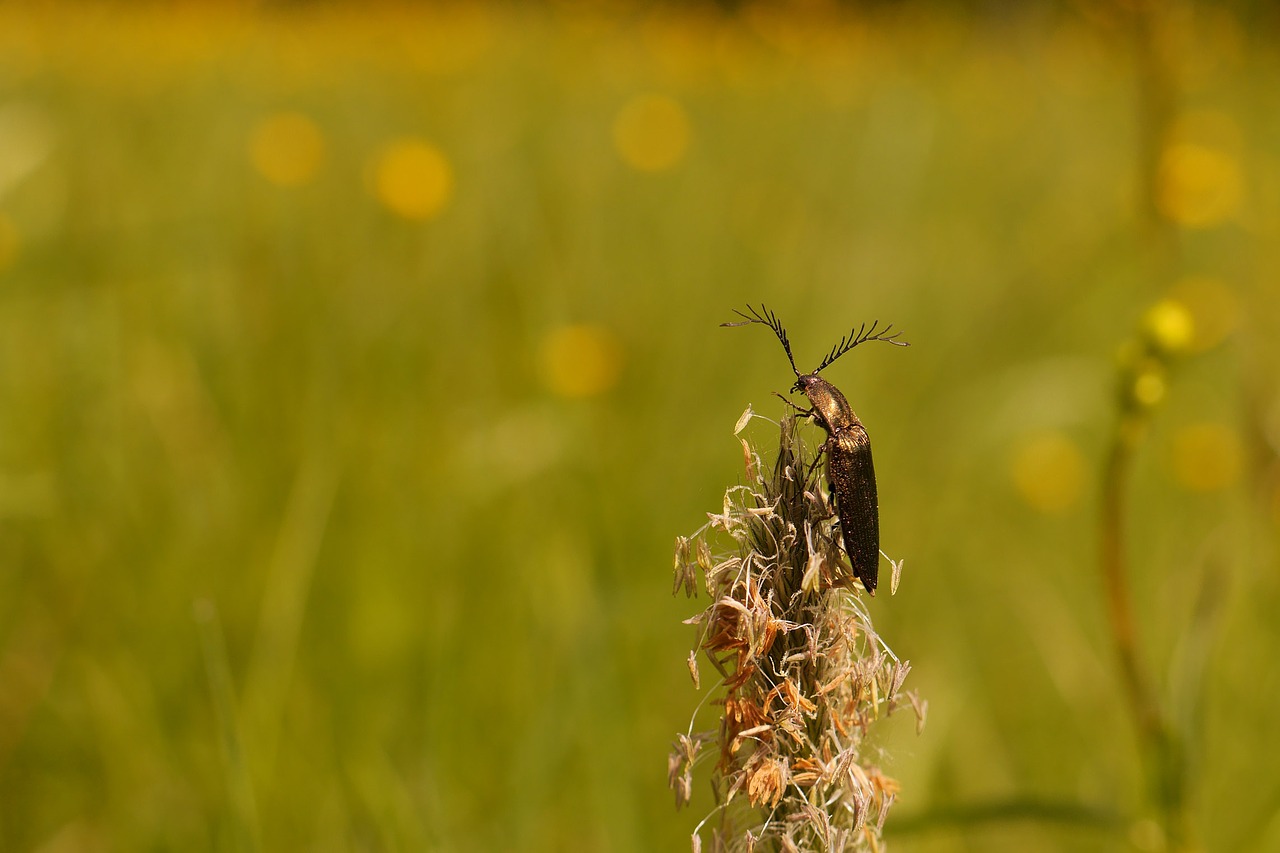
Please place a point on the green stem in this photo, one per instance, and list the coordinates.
(1138, 692)
(1162, 750)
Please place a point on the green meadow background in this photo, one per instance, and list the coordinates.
(359, 366)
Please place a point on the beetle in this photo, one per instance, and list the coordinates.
(851, 475)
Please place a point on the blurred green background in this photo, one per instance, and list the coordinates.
(359, 366)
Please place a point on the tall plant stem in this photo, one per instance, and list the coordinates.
(1162, 750)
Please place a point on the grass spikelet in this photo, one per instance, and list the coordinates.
(803, 673)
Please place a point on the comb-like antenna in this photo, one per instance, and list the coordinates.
(860, 336)
(771, 320)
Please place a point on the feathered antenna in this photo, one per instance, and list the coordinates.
(771, 320)
(860, 336)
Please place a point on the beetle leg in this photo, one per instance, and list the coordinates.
(807, 413)
(826, 446)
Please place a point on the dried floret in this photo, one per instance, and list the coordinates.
(803, 672)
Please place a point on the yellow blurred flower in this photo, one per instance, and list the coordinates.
(651, 133)
(580, 360)
(1169, 326)
(413, 179)
(1048, 472)
(9, 242)
(1199, 186)
(1206, 457)
(287, 149)
(1148, 385)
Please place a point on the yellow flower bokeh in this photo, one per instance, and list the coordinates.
(413, 179)
(1048, 472)
(1206, 457)
(1149, 385)
(580, 360)
(1169, 326)
(287, 149)
(651, 133)
(1199, 186)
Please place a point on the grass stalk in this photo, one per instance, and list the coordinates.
(213, 646)
(1144, 366)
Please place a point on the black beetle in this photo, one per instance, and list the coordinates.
(850, 472)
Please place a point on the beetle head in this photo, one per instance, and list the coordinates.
(803, 382)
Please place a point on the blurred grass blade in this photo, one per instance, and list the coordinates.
(284, 603)
(239, 787)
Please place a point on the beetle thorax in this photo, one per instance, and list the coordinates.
(828, 403)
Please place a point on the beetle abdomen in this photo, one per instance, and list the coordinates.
(853, 480)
